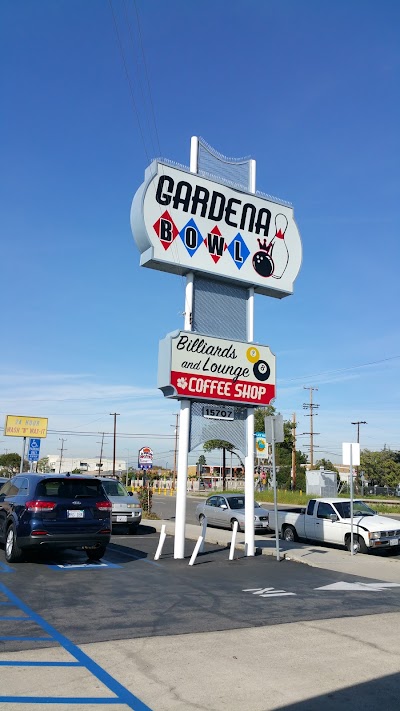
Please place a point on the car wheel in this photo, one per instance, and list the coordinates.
(359, 545)
(289, 534)
(13, 552)
(201, 519)
(232, 524)
(96, 553)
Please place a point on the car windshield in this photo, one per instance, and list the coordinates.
(359, 509)
(114, 488)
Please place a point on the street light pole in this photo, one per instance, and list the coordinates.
(114, 415)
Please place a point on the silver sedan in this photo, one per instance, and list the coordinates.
(224, 510)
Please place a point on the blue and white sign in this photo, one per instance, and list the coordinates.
(34, 449)
(183, 222)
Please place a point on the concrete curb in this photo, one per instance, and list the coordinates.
(316, 556)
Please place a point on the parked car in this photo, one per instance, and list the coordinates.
(224, 510)
(54, 511)
(126, 508)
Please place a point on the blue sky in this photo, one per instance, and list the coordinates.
(310, 90)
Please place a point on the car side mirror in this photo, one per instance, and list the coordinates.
(333, 517)
(223, 506)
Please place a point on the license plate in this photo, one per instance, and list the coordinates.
(394, 541)
(122, 519)
(75, 513)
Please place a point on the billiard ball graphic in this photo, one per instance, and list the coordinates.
(261, 370)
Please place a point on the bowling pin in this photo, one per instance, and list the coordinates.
(279, 251)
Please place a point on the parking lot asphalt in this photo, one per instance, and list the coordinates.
(133, 618)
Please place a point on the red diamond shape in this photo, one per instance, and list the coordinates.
(215, 245)
(166, 229)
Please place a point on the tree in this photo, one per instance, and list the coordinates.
(327, 465)
(260, 414)
(10, 464)
(221, 444)
(283, 451)
(43, 465)
(372, 464)
(201, 461)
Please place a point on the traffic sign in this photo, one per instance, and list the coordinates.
(33, 451)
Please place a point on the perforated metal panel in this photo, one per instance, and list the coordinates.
(235, 171)
(219, 309)
(202, 429)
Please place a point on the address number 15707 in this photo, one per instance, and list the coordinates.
(216, 413)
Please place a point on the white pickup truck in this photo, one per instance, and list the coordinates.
(328, 521)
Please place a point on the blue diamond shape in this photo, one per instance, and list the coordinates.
(191, 235)
(238, 250)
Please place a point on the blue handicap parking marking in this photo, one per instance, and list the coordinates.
(4, 568)
(77, 566)
(121, 696)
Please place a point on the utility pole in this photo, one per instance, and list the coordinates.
(101, 452)
(114, 415)
(61, 452)
(360, 422)
(294, 451)
(311, 406)
(175, 450)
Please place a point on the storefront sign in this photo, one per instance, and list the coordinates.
(200, 367)
(145, 458)
(183, 222)
(22, 426)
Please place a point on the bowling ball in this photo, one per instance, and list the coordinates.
(261, 370)
(263, 264)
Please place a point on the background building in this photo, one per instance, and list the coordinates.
(85, 465)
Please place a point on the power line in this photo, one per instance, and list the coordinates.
(128, 78)
(340, 370)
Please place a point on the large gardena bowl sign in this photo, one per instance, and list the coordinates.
(183, 223)
(199, 367)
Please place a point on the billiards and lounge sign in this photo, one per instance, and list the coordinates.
(183, 222)
(198, 367)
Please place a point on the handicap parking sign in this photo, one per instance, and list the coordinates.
(33, 451)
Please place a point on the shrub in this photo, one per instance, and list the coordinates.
(145, 495)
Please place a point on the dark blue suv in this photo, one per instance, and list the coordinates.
(54, 510)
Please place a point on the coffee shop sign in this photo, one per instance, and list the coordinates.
(199, 367)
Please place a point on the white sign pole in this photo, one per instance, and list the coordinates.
(183, 452)
(351, 457)
(351, 501)
(181, 480)
(249, 459)
(275, 492)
